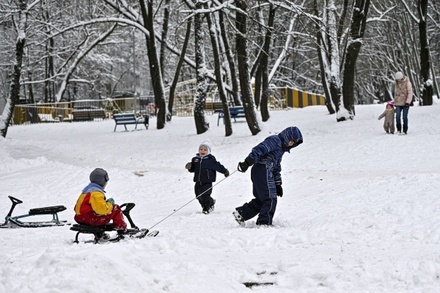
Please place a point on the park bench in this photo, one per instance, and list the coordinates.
(235, 112)
(130, 119)
(88, 115)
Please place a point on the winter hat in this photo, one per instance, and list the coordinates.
(390, 103)
(207, 144)
(99, 176)
(399, 75)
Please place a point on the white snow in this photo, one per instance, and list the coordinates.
(360, 211)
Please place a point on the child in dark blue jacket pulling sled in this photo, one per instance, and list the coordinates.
(265, 159)
(204, 166)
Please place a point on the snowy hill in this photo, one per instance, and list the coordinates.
(360, 211)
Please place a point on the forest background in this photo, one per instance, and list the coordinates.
(349, 50)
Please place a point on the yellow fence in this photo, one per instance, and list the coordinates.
(183, 106)
(299, 99)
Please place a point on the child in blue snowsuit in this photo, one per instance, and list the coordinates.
(265, 159)
(204, 166)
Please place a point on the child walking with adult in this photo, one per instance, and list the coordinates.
(265, 159)
(205, 167)
(388, 124)
(403, 93)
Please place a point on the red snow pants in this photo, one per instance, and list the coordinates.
(92, 219)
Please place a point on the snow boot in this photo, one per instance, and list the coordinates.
(239, 218)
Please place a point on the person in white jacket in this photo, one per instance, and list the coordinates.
(403, 93)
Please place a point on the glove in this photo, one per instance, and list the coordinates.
(243, 166)
(111, 200)
(188, 165)
(406, 104)
(226, 173)
(279, 189)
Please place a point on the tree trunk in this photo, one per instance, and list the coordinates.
(243, 67)
(202, 84)
(218, 73)
(333, 73)
(425, 55)
(322, 62)
(178, 69)
(264, 66)
(164, 36)
(230, 59)
(14, 97)
(358, 26)
(155, 71)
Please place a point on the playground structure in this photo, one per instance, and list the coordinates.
(96, 110)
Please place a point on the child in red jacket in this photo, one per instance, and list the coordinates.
(93, 209)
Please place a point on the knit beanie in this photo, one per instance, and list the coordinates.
(399, 75)
(207, 144)
(99, 176)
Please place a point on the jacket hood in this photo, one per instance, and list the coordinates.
(288, 134)
(93, 187)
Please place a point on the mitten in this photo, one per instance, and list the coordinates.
(111, 200)
(243, 166)
(279, 189)
(406, 104)
(188, 165)
(226, 173)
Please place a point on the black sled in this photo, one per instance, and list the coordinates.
(98, 231)
(16, 221)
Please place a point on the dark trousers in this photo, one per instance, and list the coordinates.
(264, 203)
(203, 191)
(399, 110)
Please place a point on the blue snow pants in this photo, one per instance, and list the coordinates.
(264, 203)
(399, 110)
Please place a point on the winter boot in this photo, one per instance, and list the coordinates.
(239, 218)
(102, 237)
(209, 209)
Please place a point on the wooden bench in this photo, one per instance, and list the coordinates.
(88, 115)
(124, 119)
(235, 112)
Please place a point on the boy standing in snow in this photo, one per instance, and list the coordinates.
(93, 209)
(388, 123)
(265, 159)
(204, 166)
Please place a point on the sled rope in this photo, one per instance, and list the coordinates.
(178, 209)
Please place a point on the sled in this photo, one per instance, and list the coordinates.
(17, 221)
(97, 231)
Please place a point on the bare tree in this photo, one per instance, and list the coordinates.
(178, 69)
(155, 70)
(202, 84)
(357, 31)
(217, 68)
(243, 68)
(21, 29)
(425, 54)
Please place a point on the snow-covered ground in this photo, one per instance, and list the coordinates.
(360, 211)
